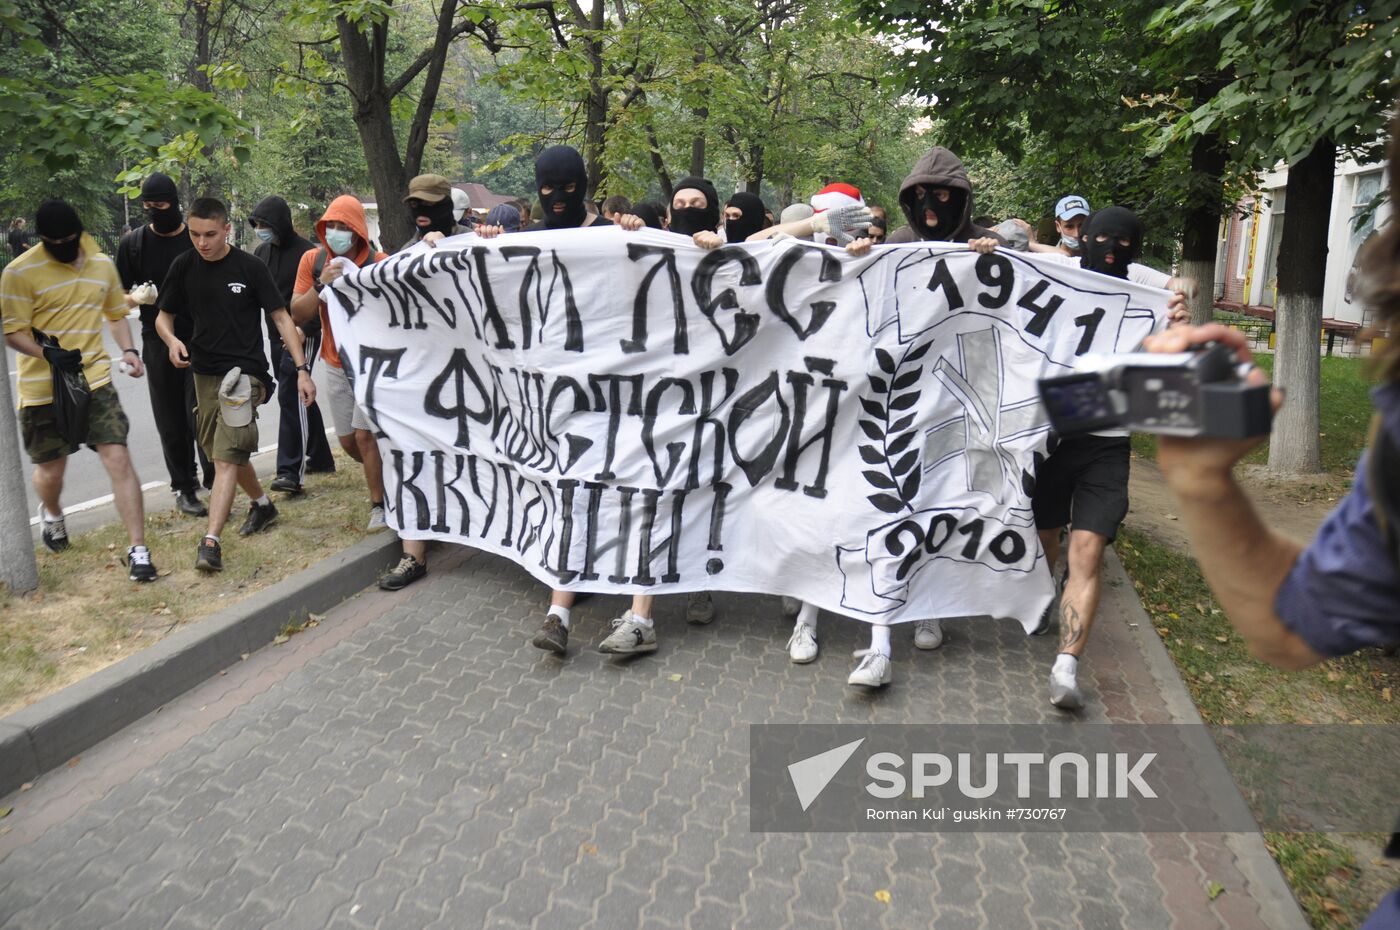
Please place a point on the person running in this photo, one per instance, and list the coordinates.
(144, 257)
(225, 292)
(1083, 484)
(343, 231)
(64, 287)
(301, 434)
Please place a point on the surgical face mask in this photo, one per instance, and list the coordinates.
(339, 240)
(1070, 242)
(264, 234)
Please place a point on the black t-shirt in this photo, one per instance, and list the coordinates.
(224, 302)
(158, 253)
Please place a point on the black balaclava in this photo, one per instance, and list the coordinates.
(649, 214)
(950, 214)
(690, 220)
(159, 187)
(57, 220)
(1116, 223)
(752, 220)
(557, 167)
(442, 217)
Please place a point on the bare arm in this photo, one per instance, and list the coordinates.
(305, 306)
(165, 328)
(23, 343)
(121, 335)
(1244, 562)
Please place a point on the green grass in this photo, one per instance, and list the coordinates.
(1345, 415)
(87, 615)
(1229, 686)
(1324, 876)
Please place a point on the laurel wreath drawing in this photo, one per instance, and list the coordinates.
(889, 425)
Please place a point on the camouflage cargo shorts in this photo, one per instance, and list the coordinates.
(107, 424)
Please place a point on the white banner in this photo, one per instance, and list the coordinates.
(625, 412)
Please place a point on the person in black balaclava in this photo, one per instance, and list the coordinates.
(744, 215)
(562, 182)
(1112, 241)
(694, 207)
(301, 433)
(936, 198)
(144, 256)
(430, 199)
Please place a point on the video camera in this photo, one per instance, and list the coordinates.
(1200, 393)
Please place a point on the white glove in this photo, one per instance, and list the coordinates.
(842, 223)
(145, 293)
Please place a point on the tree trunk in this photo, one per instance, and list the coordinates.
(658, 164)
(364, 72)
(1302, 265)
(427, 96)
(1200, 235)
(697, 146)
(594, 131)
(18, 570)
(754, 182)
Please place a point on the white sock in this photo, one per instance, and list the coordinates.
(48, 517)
(880, 639)
(131, 549)
(211, 536)
(263, 501)
(807, 616)
(641, 621)
(1065, 664)
(561, 612)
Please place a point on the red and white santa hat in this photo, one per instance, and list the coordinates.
(836, 195)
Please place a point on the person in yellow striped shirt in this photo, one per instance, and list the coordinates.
(65, 287)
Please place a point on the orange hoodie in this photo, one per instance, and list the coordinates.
(345, 209)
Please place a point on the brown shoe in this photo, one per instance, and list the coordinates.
(553, 636)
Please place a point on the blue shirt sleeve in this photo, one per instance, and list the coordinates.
(1344, 591)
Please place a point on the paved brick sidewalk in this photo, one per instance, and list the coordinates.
(412, 762)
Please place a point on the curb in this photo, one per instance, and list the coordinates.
(1278, 908)
(46, 734)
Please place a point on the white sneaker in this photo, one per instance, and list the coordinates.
(802, 645)
(928, 634)
(629, 637)
(376, 518)
(873, 670)
(1064, 690)
(791, 606)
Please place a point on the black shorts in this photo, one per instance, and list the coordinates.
(1084, 483)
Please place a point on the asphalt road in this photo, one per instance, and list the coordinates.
(86, 485)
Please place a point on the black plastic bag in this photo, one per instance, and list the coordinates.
(71, 398)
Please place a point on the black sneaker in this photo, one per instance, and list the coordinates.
(53, 533)
(402, 575)
(260, 517)
(552, 636)
(189, 504)
(285, 485)
(139, 566)
(209, 558)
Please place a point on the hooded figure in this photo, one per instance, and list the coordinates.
(282, 252)
(938, 169)
(753, 218)
(343, 209)
(556, 168)
(1111, 257)
(690, 220)
(159, 188)
(505, 216)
